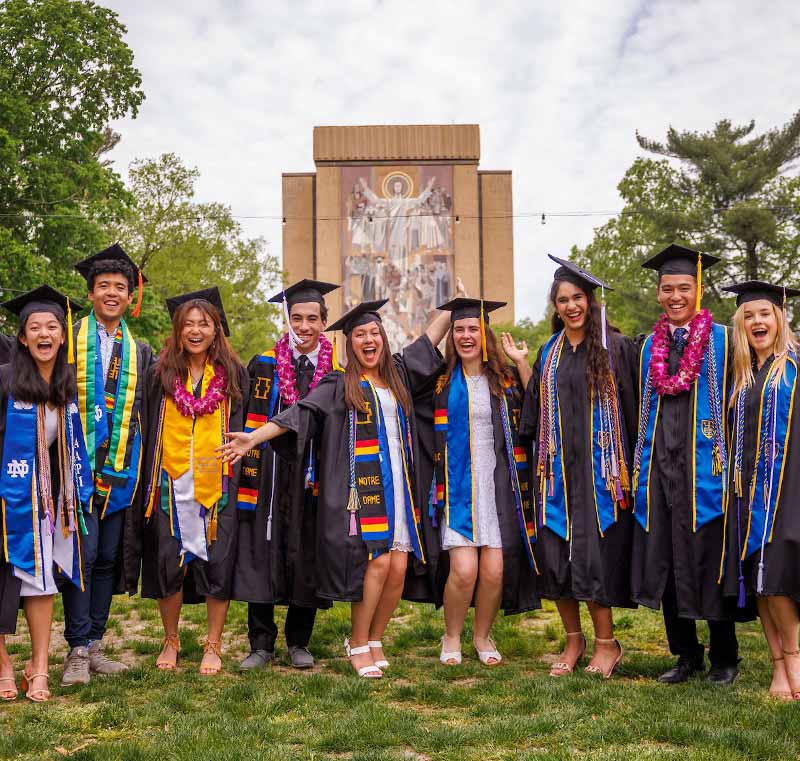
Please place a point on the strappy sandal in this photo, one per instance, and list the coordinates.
(173, 640)
(366, 672)
(562, 668)
(780, 694)
(42, 695)
(215, 648)
(453, 658)
(590, 669)
(485, 656)
(8, 694)
(373, 644)
(793, 675)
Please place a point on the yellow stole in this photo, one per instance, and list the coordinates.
(204, 432)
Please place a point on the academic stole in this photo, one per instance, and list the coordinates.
(454, 487)
(107, 425)
(371, 479)
(25, 487)
(260, 409)
(191, 442)
(708, 461)
(774, 426)
(610, 481)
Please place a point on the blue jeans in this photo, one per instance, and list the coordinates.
(86, 613)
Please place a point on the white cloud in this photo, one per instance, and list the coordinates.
(559, 90)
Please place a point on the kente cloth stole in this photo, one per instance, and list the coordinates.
(113, 439)
(610, 482)
(454, 484)
(774, 425)
(709, 454)
(25, 488)
(189, 442)
(261, 407)
(371, 478)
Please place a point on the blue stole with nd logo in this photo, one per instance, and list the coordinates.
(708, 489)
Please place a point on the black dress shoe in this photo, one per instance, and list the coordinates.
(682, 670)
(722, 674)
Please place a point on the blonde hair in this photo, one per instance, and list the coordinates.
(785, 341)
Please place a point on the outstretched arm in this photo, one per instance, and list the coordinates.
(240, 443)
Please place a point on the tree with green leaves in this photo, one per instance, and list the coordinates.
(182, 245)
(727, 192)
(65, 73)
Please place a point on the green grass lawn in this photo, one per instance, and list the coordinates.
(420, 710)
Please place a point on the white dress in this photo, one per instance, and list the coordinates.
(32, 586)
(484, 461)
(402, 539)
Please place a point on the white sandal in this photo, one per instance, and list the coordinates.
(487, 655)
(446, 658)
(367, 672)
(373, 644)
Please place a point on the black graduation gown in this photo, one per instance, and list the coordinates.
(672, 547)
(341, 560)
(279, 571)
(782, 554)
(6, 347)
(162, 575)
(599, 568)
(519, 582)
(10, 585)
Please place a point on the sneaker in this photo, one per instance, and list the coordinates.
(301, 657)
(76, 667)
(258, 659)
(100, 663)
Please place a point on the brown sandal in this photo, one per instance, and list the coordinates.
(590, 669)
(215, 648)
(42, 695)
(562, 668)
(793, 674)
(172, 640)
(780, 694)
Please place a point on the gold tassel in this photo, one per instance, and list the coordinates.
(335, 358)
(699, 280)
(212, 526)
(483, 335)
(70, 342)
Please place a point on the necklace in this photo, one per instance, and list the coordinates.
(691, 360)
(189, 406)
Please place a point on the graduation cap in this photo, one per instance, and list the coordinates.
(302, 292)
(363, 313)
(115, 253)
(209, 295)
(680, 260)
(577, 275)
(46, 299)
(462, 307)
(754, 290)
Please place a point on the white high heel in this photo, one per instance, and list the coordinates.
(366, 672)
(383, 663)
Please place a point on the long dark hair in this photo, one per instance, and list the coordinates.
(174, 362)
(598, 369)
(26, 383)
(498, 372)
(354, 394)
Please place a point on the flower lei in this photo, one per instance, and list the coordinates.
(287, 378)
(691, 361)
(189, 406)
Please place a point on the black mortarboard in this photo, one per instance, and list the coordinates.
(579, 277)
(42, 299)
(211, 295)
(366, 311)
(112, 253)
(753, 290)
(678, 260)
(460, 308)
(304, 291)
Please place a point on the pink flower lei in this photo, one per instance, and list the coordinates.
(691, 361)
(189, 406)
(287, 378)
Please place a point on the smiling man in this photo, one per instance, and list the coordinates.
(275, 553)
(111, 369)
(680, 467)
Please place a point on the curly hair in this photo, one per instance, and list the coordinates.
(598, 368)
(106, 266)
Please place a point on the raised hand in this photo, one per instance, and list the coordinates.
(513, 352)
(461, 291)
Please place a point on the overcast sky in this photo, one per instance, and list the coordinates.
(234, 87)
